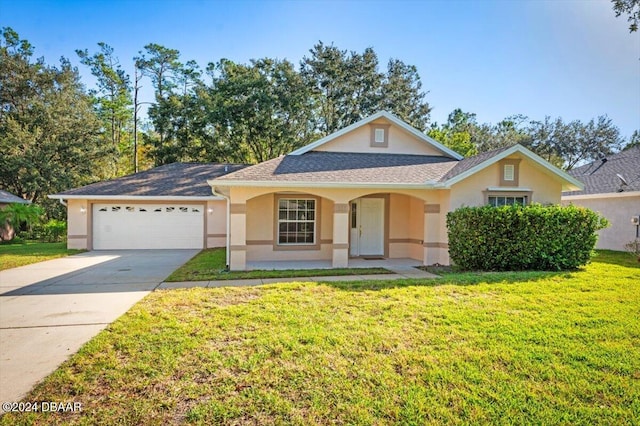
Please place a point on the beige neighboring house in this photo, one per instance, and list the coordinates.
(376, 189)
(6, 198)
(612, 188)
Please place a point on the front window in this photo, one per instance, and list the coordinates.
(296, 221)
(500, 200)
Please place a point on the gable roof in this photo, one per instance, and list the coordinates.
(392, 118)
(601, 176)
(181, 180)
(8, 198)
(472, 165)
(338, 169)
(342, 169)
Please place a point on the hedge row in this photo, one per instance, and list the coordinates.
(522, 238)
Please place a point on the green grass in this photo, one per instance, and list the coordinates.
(20, 254)
(498, 348)
(211, 265)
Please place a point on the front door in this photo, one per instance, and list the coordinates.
(367, 227)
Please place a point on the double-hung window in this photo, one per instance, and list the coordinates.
(296, 221)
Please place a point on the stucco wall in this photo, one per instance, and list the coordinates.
(359, 140)
(216, 217)
(469, 192)
(618, 210)
(78, 225)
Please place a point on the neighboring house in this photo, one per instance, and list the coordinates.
(6, 198)
(611, 187)
(376, 189)
(168, 207)
(9, 198)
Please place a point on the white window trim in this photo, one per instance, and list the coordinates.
(315, 222)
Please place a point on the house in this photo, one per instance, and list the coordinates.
(612, 188)
(376, 189)
(168, 207)
(6, 198)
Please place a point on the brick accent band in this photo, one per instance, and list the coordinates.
(404, 240)
(432, 208)
(341, 208)
(237, 248)
(216, 235)
(435, 245)
(76, 237)
(341, 246)
(237, 208)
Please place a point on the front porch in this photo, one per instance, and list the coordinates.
(323, 229)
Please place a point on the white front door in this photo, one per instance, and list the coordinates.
(367, 227)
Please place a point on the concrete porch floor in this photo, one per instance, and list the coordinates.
(404, 267)
(326, 264)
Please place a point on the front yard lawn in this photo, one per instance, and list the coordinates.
(500, 348)
(210, 264)
(20, 254)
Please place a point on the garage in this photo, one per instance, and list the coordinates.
(148, 226)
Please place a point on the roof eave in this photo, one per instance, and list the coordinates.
(303, 184)
(135, 197)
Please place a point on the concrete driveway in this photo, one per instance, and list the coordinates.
(48, 310)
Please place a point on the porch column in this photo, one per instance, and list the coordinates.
(238, 236)
(340, 235)
(431, 240)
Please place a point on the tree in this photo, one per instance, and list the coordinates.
(48, 128)
(113, 104)
(457, 132)
(402, 94)
(569, 144)
(633, 141)
(345, 86)
(259, 111)
(17, 215)
(161, 64)
(630, 8)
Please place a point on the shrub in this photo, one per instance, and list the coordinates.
(523, 238)
(51, 232)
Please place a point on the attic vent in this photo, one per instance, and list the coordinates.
(379, 136)
(509, 172)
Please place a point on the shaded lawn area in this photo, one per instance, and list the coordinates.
(210, 264)
(20, 254)
(501, 348)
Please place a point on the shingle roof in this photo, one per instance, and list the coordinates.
(341, 167)
(470, 162)
(176, 179)
(8, 198)
(600, 177)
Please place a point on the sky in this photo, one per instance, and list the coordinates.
(561, 58)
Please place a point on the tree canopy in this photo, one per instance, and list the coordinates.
(55, 134)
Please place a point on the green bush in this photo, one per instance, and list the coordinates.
(51, 232)
(522, 238)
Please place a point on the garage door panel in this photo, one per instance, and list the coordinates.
(147, 226)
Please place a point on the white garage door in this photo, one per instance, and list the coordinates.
(147, 226)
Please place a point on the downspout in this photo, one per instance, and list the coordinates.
(64, 203)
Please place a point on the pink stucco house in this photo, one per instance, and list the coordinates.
(376, 189)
